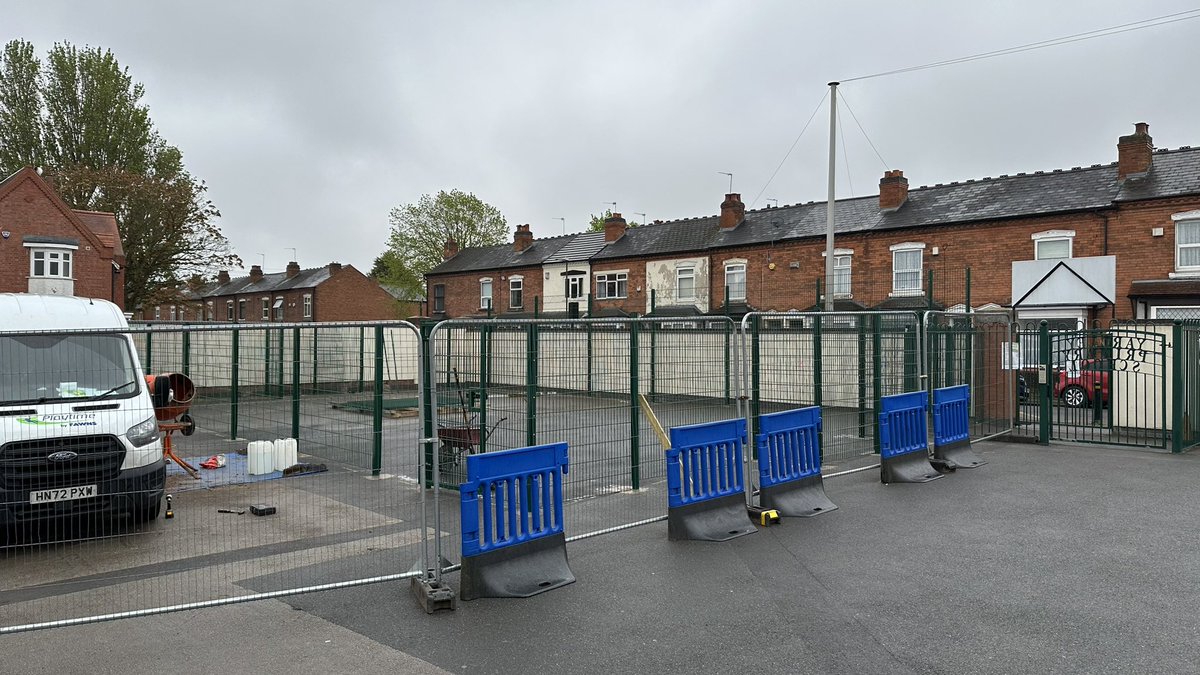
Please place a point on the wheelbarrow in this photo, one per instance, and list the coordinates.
(458, 439)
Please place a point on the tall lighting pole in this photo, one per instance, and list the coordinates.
(829, 206)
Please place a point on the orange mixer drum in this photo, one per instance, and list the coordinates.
(172, 394)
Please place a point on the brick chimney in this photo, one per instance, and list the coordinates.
(195, 282)
(255, 273)
(449, 249)
(614, 227)
(335, 267)
(1135, 152)
(522, 238)
(733, 211)
(293, 269)
(223, 277)
(893, 190)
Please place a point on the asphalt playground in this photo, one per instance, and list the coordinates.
(1059, 559)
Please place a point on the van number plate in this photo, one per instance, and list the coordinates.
(62, 494)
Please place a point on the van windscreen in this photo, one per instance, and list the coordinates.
(38, 368)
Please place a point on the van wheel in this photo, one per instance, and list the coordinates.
(145, 512)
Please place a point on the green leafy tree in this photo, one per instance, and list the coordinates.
(597, 222)
(421, 230)
(82, 119)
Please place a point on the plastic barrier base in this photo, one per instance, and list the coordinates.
(912, 467)
(958, 453)
(517, 571)
(802, 498)
(719, 519)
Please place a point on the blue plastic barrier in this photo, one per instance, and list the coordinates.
(513, 544)
(705, 487)
(904, 439)
(952, 427)
(789, 463)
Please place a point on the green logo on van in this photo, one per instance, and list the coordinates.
(60, 420)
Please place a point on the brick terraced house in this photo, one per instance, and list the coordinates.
(46, 247)
(1119, 240)
(334, 292)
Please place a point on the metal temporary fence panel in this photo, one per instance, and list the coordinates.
(603, 386)
(518, 493)
(842, 362)
(789, 446)
(344, 397)
(705, 461)
(978, 350)
(951, 415)
(902, 424)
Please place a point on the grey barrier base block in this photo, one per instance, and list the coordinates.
(912, 467)
(430, 594)
(719, 519)
(801, 498)
(517, 571)
(959, 454)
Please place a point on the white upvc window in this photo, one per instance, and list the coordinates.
(843, 260)
(229, 310)
(173, 315)
(1053, 244)
(266, 309)
(51, 262)
(157, 313)
(907, 268)
(485, 293)
(575, 287)
(211, 315)
(516, 292)
(685, 283)
(1187, 242)
(735, 280)
(241, 310)
(278, 307)
(612, 285)
(308, 305)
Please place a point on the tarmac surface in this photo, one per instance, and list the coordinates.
(1060, 559)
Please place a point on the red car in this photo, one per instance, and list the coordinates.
(1076, 389)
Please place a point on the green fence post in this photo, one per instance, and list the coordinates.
(911, 359)
(818, 379)
(755, 378)
(296, 383)
(1176, 386)
(377, 407)
(362, 357)
(862, 376)
(1044, 387)
(266, 362)
(314, 365)
(635, 432)
(186, 352)
(282, 360)
(653, 346)
(876, 375)
(968, 292)
(929, 292)
(234, 367)
(531, 379)
(951, 355)
(589, 344)
(819, 305)
(485, 367)
(149, 344)
(535, 308)
(728, 327)
(426, 364)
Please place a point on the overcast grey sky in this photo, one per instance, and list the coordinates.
(310, 120)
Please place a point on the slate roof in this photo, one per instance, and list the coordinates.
(269, 283)
(502, 256)
(1173, 173)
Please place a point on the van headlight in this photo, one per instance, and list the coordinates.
(143, 433)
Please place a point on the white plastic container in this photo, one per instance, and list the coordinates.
(260, 458)
(286, 453)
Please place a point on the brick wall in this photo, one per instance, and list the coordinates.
(462, 291)
(26, 209)
(350, 295)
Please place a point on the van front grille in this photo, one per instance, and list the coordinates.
(26, 465)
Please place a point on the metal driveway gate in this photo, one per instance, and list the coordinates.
(346, 503)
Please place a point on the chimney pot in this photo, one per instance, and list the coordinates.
(614, 227)
(335, 267)
(893, 190)
(256, 272)
(1135, 152)
(733, 211)
(522, 238)
(449, 249)
(223, 277)
(293, 268)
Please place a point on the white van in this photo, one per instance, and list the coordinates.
(78, 434)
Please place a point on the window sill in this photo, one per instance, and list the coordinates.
(906, 294)
(1184, 274)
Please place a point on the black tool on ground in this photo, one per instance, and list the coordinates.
(233, 511)
(763, 516)
(304, 468)
(170, 512)
(261, 509)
